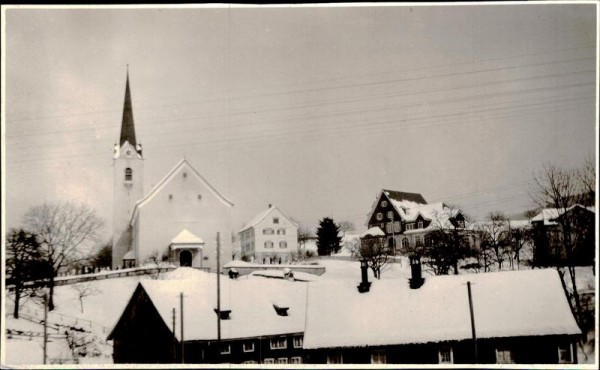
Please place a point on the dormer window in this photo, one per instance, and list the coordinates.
(223, 314)
(128, 174)
(379, 216)
(410, 226)
(420, 225)
(281, 310)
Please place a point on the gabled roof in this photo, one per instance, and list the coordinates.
(186, 237)
(261, 216)
(374, 231)
(505, 304)
(252, 314)
(549, 215)
(402, 196)
(183, 163)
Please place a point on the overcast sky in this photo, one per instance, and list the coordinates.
(314, 109)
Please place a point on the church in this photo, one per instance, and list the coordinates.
(177, 221)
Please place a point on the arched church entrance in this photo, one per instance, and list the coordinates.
(185, 258)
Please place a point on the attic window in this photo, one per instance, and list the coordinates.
(420, 225)
(281, 311)
(170, 196)
(384, 203)
(199, 196)
(184, 175)
(379, 216)
(275, 220)
(223, 314)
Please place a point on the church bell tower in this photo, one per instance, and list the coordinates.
(128, 164)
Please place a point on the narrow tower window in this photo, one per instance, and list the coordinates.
(128, 174)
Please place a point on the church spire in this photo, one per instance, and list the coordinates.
(127, 128)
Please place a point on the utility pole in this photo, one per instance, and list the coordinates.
(174, 339)
(472, 320)
(181, 321)
(45, 326)
(218, 293)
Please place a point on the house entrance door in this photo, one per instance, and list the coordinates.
(185, 258)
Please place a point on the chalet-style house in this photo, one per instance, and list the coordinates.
(510, 317)
(269, 237)
(178, 220)
(548, 236)
(406, 218)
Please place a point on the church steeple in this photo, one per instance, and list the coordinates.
(127, 127)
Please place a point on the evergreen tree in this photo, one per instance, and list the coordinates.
(24, 263)
(328, 239)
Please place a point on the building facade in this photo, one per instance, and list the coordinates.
(177, 221)
(269, 237)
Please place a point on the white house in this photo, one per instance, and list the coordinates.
(269, 237)
(178, 220)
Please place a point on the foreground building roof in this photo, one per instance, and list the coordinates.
(506, 304)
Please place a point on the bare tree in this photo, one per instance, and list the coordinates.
(587, 182)
(84, 290)
(65, 231)
(346, 226)
(375, 251)
(495, 237)
(519, 238)
(559, 188)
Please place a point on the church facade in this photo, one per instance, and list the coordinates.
(177, 221)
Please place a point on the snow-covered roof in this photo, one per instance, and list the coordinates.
(261, 216)
(129, 255)
(179, 166)
(549, 215)
(186, 237)
(374, 231)
(506, 304)
(250, 301)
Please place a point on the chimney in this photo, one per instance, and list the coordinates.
(364, 283)
(416, 280)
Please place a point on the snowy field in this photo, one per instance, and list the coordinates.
(107, 300)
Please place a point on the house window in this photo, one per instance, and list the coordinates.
(460, 223)
(249, 362)
(405, 243)
(335, 358)
(283, 244)
(278, 343)
(268, 244)
(396, 226)
(296, 360)
(504, 356)
(389, 227)
(269, 361)
(390, 215)
(378, 357)
(419, 240)
(410, 226)
(420, 225)
(199, 196)
(128, 174)
(170, 196)
(379, 216)
(225, 349)
(268, 231)
(565, 356)
(248, 347)
(275, 220)
(384, 203)
(445, 355)
(280, 231)
(392, 243)
(298, 342)
(282, 360)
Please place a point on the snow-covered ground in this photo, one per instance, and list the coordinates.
(104, 306)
